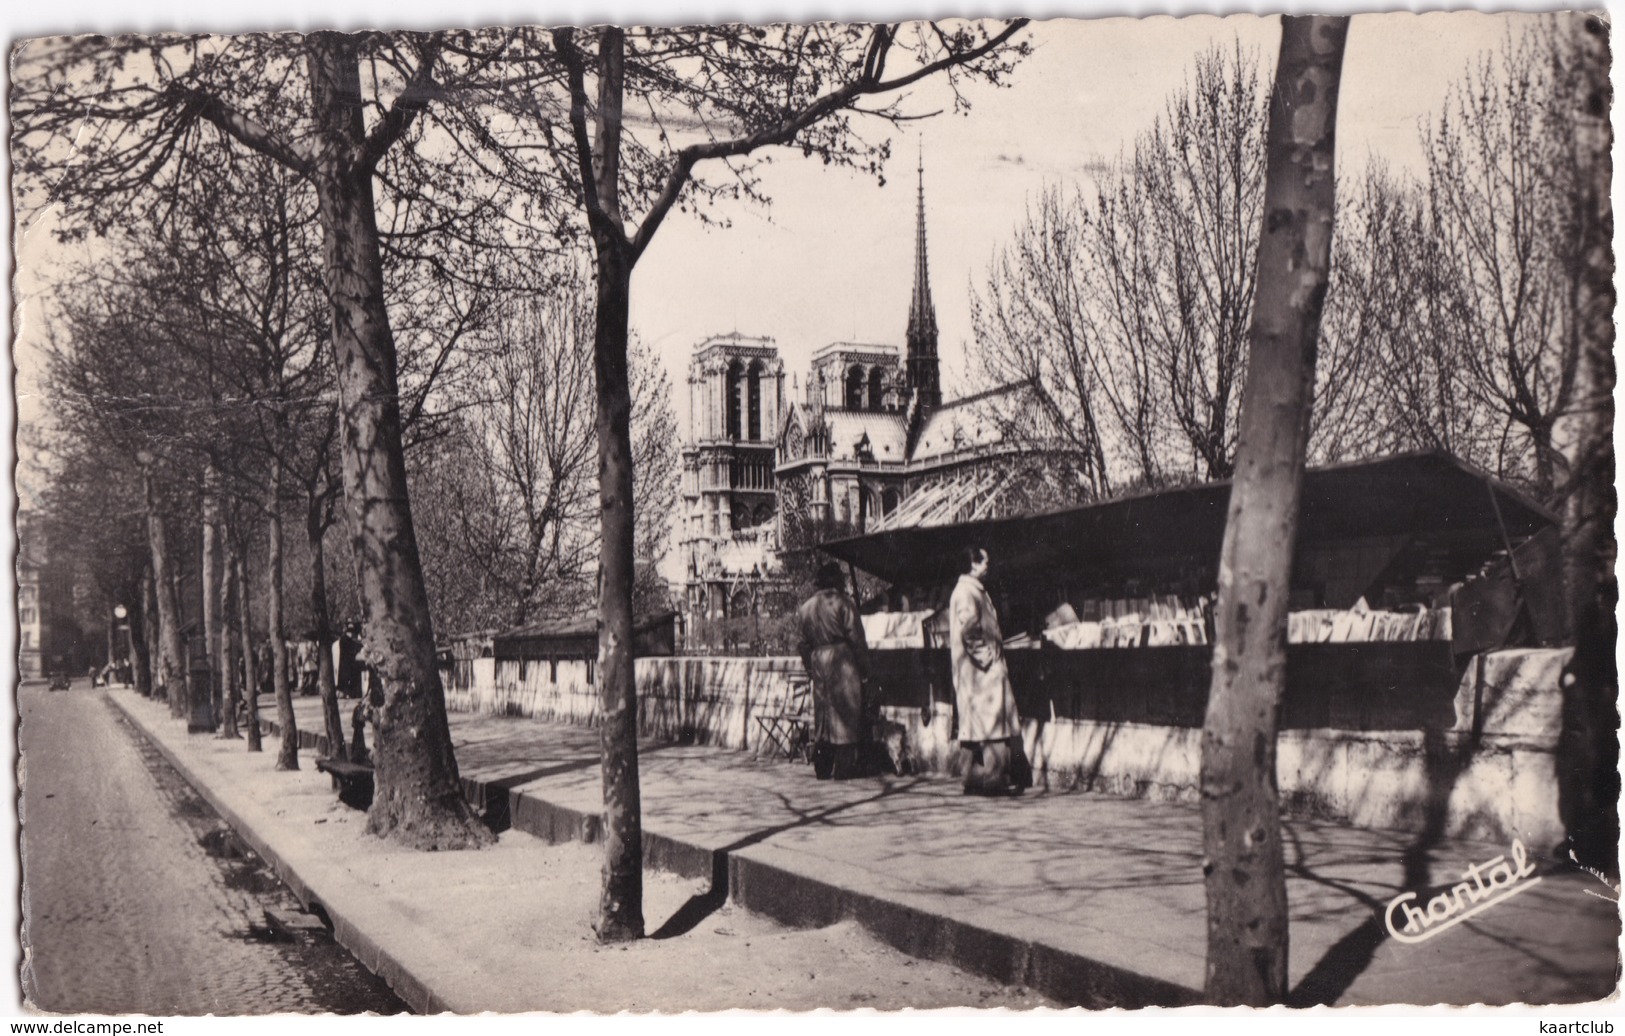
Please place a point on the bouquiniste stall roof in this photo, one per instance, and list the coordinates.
(1429, 493)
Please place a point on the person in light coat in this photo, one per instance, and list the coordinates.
(305, 654)
(989, 725)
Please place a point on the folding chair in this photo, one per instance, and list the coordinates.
(790, 730)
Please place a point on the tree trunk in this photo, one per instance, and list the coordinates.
(214, 600)
(287, 756)
(620, 906)
(209, 577)
(1588, 779)
(172, 651)
(153, 671)
(231, 685)
(332, 723)
(418, 798)
(1241, 830)
(621, 900)
(140, 619)
(140, 674)
(251, 675)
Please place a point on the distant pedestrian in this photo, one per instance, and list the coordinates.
(836, 655)
(307, 654)
(989, 726)
(350, 668)
(267, 667)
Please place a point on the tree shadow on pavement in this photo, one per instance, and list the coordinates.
(492, 797)
(704, 904)
(1347, 959)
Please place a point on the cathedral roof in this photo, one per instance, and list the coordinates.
(976, 421)
(887, 432)
(979, 421)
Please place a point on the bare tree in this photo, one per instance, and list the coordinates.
(214, 607)
(229, 279)
(237, 565)
(1129, 306)
(1243, 866)
(532, 459)
(120, 393)
(1175, 243)
(1035, 324)
(270, 304)
(1506, 208)
(508, 500)
(171, 650)
(1390, 376)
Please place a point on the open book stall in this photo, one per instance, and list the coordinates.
(1405, 566)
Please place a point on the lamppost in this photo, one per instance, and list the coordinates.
(122, 614)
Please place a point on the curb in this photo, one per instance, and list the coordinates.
(800, 900)
(414, 991)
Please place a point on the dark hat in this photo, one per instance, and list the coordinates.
(829, 576)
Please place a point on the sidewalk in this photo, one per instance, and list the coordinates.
(1086, 899)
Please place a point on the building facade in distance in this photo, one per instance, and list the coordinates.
(30, 624)
(870, 443)
(736, 398)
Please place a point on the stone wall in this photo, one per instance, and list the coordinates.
(708, 701)
(1487, 771)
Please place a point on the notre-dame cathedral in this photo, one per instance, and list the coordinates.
(871, 445)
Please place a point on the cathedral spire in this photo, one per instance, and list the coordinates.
(924, 380)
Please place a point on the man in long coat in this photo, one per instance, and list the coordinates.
(989, 725)
(836, 654)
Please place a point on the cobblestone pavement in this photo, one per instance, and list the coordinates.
(136, 896)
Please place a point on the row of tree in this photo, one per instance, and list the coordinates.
(188, 351)
(425, 182)
(1451, 320)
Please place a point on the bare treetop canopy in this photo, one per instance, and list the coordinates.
(1417, 493)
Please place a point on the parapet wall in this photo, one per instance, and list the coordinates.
(708, 701)
(1487, 772)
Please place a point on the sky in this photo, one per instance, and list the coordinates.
(832, 258)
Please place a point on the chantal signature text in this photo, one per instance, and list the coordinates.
(1482, 886)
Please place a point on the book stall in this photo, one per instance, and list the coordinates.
(1107, 608)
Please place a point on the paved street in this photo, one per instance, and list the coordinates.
(137, 900)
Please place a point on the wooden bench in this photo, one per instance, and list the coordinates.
(352, 780)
